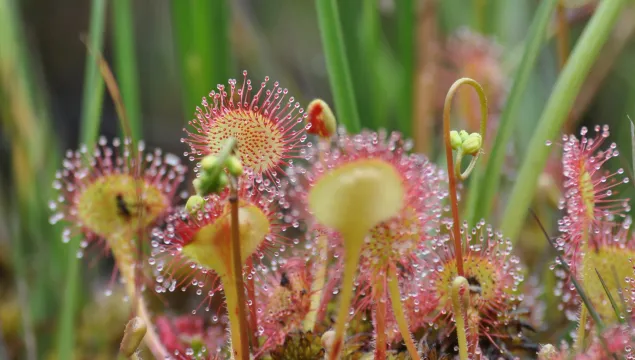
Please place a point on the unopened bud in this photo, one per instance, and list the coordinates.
(234, 166)
(198, 185)
(547, 352)
(208, 185)
(455, 140)
(464, 135)
(321, 119)
(209, 162)
(133, 334)
(328, 340)
(194, 203)
(472, 145)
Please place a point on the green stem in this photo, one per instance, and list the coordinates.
(405, 13)
(400, 316)
(124, 254)
(355, 242)
(491, 176)
(459, 300)
(337, 64)
(565, 91)
(126, 63)
(91, 117)
(318, 283)
(579, 343)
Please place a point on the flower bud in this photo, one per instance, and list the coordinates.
(133, 334)
(464, 135)
(234, 166)
(547, 352)
(455, 140)
(321, 119)
(197, 183)
(472, 145)
(194, 203)
(209, 162)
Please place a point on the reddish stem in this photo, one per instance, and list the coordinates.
(452, 183)
(380, 317)
(447, 107)
(251, 300)
(238, 278)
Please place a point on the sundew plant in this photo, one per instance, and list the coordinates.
(419, 180)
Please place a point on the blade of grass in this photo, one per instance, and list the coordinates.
(126, 63)
(90, 121)
(610, 296)
(337, 64)
(201, 32)
(555, 113)
(405, 11)
(491, 175)
(563, 264)
(370, 50)
(26, 119)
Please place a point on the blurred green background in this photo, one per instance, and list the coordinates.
(402, 56)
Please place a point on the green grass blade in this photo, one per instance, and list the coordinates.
(481, 197)
(201, 32)
(563, 264)
(405, 11)
(375, 106)
(126, 64)
(337, 64)
(555, 113)
(93, 92)
(91, 116)
(618, 312)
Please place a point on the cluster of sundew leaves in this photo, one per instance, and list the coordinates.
(101, 194)
(594, 232)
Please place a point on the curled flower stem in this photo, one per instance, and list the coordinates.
(124, 258)
(400, 316)
(346, 295)
(459, 305)
(452, 172)
(235, 288)
(457, 165)
(317, 286)
(379, 297)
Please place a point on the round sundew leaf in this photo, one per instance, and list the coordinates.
(612, 263)
(120, 203)
(211, 245)
(357, 196)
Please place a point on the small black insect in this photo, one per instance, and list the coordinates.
(284, 280)
(122, 207)
(475, 285)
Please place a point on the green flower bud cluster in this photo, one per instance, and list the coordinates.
(215, 174)
(469, 143)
